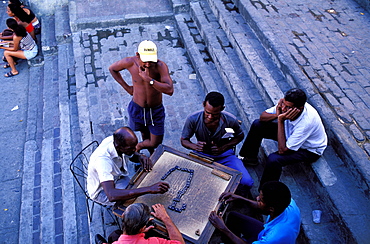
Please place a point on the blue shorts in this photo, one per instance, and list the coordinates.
(30, 53)
(142, 119)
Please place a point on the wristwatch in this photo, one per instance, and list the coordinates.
(151, 82)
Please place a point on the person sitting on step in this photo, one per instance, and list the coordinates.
(23, 46)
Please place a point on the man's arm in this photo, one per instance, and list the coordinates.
(173, 231)
(229, 197)
(219, 223)
(230, 144)
(187, 133)
(265, 117)
(143, 159)
(115, 69)
(290, 114)
(165, 85)
(115, 194)
(193, 146)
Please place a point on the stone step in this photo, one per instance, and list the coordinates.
(329, 176)
(346, 120)
(320, 169)
(200, 64)
(48, 202)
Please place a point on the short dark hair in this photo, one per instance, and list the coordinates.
(11, 23)
(215, 99)
(277, 195)
(19, 13)
(16, 2)
(296, 96)
(19, 30)
(136, 216)
(120, 135)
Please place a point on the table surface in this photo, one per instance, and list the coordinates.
(201, 197)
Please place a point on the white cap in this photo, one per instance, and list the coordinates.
(148, 51)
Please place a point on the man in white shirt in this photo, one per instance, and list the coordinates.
(299, 132)
(107, 173)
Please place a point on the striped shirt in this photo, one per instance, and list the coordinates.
(27, 43)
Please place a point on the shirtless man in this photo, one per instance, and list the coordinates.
(150, 78)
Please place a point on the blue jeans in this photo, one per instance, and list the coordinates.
(242, 224)
(229, 159)
(275, 162)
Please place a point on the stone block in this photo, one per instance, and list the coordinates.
(352, 70)
(58, 211)
(332, 100)
(58, 194)
(37, 180)
(358, 135)
(334, 88)
(57, 180)
(361, 121)
(343, 114)
(331, 71)
(367, 148)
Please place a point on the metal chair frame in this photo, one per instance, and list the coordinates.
(79, 169)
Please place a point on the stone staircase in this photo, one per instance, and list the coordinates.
(51, 207)
(227, 34)
(231, 54)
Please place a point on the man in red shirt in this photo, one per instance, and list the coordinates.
(136, 219)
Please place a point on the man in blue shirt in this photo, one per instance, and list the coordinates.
(282, 224)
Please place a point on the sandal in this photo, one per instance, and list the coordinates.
(7, 65)
(10, 74)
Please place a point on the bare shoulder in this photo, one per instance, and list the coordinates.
(124, 63)
(26, 10)
(161, 64)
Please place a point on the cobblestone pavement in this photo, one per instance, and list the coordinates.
(321, 43)
(329, 45)
(107, 100)
(320, 46)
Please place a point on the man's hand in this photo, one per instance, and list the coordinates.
(173, 232)
(144, 74)
(228, 197)
(159, 187)
(146, 162)
(217, 221)
(291, 114)
(216, 150)
(151, 226)
(160, 212)
(279, 107)
(199, 146)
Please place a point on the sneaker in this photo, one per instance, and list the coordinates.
(99, 239)
(250, 162)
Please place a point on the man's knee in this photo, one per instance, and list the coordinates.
(256, 124)
(247, 181)
(274, 160)
(155, 140)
